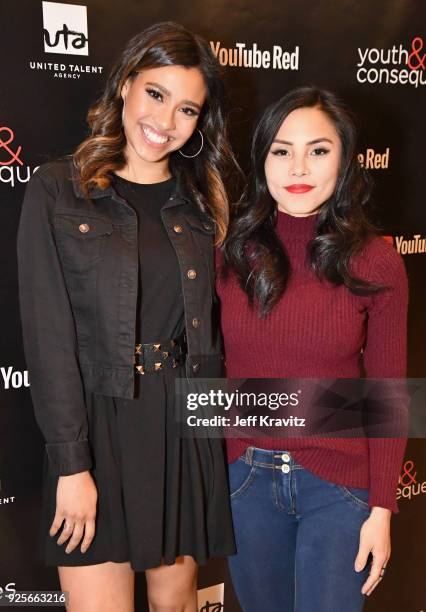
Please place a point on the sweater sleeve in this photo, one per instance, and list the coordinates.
(385, 354)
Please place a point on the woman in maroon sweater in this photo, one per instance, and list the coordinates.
(307, 288)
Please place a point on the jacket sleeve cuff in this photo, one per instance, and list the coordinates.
(67, 458)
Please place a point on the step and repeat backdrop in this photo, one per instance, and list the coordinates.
(54, 61)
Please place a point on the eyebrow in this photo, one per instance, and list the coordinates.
(315, 141)
(167, 93)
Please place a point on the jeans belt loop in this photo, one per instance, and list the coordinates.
(249, 455)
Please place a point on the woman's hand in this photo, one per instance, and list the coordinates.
(76, 499)
(374, 538)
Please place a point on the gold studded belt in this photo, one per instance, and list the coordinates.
(156, 356)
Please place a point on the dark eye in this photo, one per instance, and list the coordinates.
(320, 151)
(280, 152)
(187, 110)
(154, 93)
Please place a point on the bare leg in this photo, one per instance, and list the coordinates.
(173, 588)
(105, 587)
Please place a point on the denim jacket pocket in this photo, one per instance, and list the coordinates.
(204, 227)
(81, 239)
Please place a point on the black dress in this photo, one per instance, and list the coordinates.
(159, 495)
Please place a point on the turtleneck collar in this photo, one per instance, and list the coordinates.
(296, 227)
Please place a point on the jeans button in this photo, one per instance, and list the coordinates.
(285, 468)
(285, 457)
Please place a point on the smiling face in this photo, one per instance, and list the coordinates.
(302, 165)
(161, 109)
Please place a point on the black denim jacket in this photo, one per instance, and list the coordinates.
(78, 281)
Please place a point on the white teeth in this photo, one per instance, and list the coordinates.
(154, 137)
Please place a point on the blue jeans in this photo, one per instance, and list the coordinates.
(297, 537)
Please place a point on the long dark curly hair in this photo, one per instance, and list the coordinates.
(207, 177)
(252, 249)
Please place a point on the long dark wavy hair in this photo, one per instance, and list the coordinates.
(252, 249)
(205, 178)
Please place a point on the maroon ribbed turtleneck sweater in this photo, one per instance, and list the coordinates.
(318, 330)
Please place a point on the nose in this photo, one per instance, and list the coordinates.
(298, 167)
(165, 118)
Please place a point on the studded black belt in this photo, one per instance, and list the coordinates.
(156, 356)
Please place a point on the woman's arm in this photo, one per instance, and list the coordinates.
(385, 355)
(49, 336)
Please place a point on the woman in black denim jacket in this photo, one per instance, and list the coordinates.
(142, 197)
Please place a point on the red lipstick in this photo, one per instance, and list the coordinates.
(298, 188)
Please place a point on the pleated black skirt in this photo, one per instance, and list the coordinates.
(160, 495)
